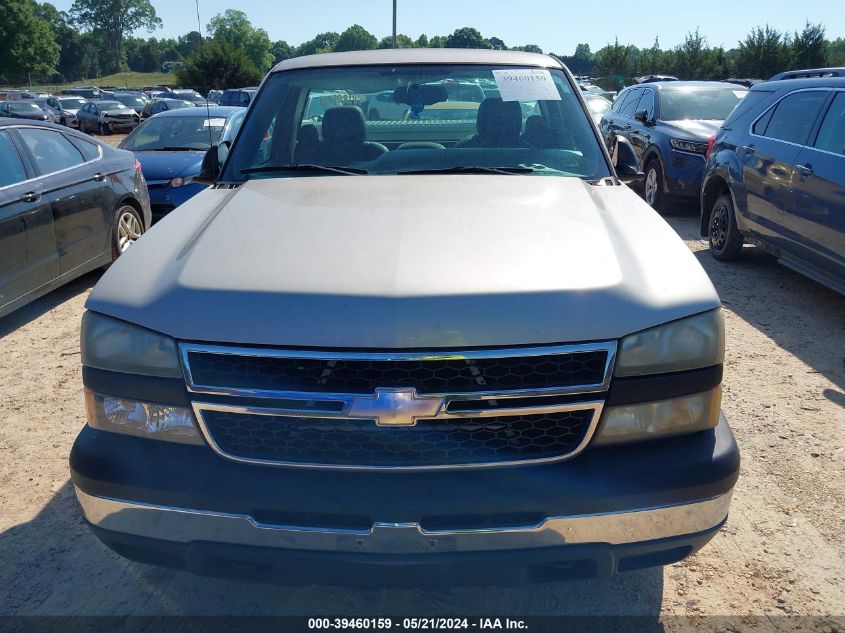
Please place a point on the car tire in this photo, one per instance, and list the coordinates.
(128, 228)
(103, 129)
(723, 235)
(62, 122)
(653, 186)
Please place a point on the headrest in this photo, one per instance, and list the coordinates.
(499, 118)
(308, 134)
(344, 124)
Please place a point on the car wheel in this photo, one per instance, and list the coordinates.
(62, 122)
(128, 228)
(724, 236)
(103, 129)
(653, 186)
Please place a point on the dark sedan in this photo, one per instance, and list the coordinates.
(68, 204)
(668, 124)
(24, 110)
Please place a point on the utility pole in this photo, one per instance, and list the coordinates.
(394, 23)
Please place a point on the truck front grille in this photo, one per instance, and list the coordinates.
(414, 410)
(430, 443)
(353, 376)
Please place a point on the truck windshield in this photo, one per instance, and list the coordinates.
(408, 119)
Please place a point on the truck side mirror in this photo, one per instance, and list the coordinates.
(626, 162)
(212, 163)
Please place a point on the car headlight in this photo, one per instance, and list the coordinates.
(688, 146)
(144, 419)
(181, 182)
(652, 420)
(691, 343)
(115, 345)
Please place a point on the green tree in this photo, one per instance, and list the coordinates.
(809, 48)
(836, 52)
(115, 20)
(322, 43)
(27, 42)
(764, 52)
(467, 37)
(583, 54)
(281, 51)
(356, 38)
(72, 49)
(422, 41)
(188, 44)
(234, 28)
(402, 41)
(497, 45)
(438, 41)
(218, 65)
(614, 61)
(528, 48)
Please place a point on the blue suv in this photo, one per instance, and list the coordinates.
(668, 123)
(775, 176)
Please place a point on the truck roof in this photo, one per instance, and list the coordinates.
(420, 56)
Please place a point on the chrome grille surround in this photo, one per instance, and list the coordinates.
(310, 404)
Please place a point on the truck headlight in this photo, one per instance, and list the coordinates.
(652, 420)
(116, 345)
(145, 419)
(691, 343)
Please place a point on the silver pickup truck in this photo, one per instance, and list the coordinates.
(424, 354)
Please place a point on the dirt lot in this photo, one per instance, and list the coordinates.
(779, 558)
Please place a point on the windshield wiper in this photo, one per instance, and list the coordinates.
(266, 169)
(508, 171)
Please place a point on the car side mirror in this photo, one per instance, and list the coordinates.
(642, 117)
(212, 163)
(626, 163)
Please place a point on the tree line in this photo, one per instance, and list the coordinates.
(96, 38)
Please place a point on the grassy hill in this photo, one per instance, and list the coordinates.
(121, 80)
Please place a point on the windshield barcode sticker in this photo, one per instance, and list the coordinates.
(529, 84)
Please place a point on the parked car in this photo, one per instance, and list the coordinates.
(597, 105)
(63, 108)
(214, 96)
(171, 146)
(24, 110)
(775, 177)
(86, 92)
(290, 378)
(237, 97)
(135, 100)
(381, 106)
(105, 117)
(191, 96)
(163, 105)
(68, 204)
(668, 125)
(649, 79)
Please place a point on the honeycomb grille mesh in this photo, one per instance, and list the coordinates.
(426, 376)
(449, 442)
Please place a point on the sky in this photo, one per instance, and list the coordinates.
(556, 25)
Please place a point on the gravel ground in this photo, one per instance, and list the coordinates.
(778, 560)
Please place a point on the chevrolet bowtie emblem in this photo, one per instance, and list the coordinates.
(395, 407)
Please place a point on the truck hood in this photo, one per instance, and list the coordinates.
(397, 262)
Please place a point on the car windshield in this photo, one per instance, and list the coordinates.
(699, 103)
(407, 119)
(24, 107)
(190, 96)
(72, 104)
(175, 133)
(111, 105)
(131, 100)
(598, 105)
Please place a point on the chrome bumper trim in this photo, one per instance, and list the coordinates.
(184, 525)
